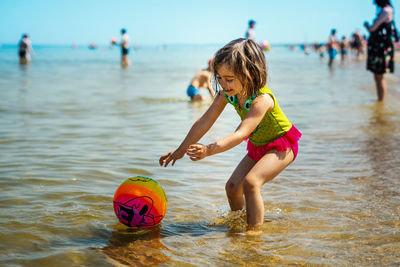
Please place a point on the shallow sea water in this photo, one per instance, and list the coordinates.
(74, 125)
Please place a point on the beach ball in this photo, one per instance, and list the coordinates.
(140, 202)
(113, 40)
(264, 45)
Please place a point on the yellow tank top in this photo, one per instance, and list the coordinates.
(273, 125)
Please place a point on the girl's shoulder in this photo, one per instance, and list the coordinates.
(266, 101)
(264, 90)
(264, 98)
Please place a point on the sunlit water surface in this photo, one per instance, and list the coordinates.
(74, 125)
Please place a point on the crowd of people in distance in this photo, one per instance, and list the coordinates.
(379, 49)
(356, 45)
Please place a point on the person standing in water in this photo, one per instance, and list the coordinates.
(357, 45)
(25, 50)
(272, 141)
(344, 49)
(250, 34)
(125, 49)
(383, 34)
(333, 47)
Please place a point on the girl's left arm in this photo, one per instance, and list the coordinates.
(259, 107)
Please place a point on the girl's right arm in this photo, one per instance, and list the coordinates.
(198, 130)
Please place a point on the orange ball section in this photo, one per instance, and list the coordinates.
(140, 202)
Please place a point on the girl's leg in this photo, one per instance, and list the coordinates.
(380, 87)
(265, 170)
(234, 186)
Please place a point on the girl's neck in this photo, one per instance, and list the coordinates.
(242, 97)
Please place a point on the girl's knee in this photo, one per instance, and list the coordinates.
(234, 192)
(231, 188)
(251, 184)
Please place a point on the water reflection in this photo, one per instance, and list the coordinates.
(24, 67)
(382, 139)
(200, 243)
(23, 77)
(145, 246)
(376, 216)
(141, 247)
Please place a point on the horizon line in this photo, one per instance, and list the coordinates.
(5, 45)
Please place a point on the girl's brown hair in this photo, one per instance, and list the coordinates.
(247, 61)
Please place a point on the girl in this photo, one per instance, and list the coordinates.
(240, 69)
(383, 34)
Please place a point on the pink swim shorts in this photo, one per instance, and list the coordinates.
(288, 140)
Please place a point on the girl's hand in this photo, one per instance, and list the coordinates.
(366, 25)
(171, 156)
(197, 152)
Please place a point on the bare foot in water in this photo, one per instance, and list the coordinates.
(253, 230)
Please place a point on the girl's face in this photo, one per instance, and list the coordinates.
(228, 80)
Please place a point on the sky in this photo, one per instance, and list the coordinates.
(157, 22)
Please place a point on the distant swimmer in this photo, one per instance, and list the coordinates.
(202, 79)
(25, 50)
